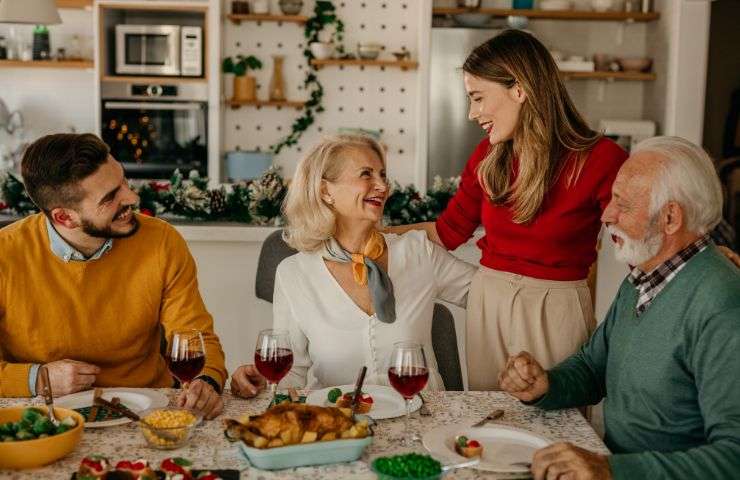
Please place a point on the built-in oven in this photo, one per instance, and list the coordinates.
(171, 50)
(154, 129)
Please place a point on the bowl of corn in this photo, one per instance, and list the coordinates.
(168, 428)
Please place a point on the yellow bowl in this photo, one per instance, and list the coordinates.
(41, 451)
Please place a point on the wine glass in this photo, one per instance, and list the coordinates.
(186, 355)
(273, 357)
(408, 375)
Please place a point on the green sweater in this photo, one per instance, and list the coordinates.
(671, 377)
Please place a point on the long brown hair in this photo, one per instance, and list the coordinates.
(550, 128)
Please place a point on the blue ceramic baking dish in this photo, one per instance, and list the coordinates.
(305, 454)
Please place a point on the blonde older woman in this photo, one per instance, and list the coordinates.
(352, 292)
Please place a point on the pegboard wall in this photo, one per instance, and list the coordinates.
(354, 97)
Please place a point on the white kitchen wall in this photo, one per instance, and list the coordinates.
(52, 100)
(354, 97)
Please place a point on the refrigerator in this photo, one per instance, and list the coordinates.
(452, 137)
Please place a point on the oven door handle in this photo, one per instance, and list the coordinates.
(152, 106)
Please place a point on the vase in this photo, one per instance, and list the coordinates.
(245, 88)
(277, 82)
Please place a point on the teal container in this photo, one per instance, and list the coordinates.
(242, 165)
(523, 4)
(301, 455)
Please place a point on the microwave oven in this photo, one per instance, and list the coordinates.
(170, 50)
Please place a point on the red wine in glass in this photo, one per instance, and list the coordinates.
(274, 365)
(186, 369)
(186, 355)
(273, 357)
(408, 374)
(410, 381)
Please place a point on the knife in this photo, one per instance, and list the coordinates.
(358, 389)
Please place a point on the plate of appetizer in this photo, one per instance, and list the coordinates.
(294, 435)
(377, 401)
(95, 467)
(97, 416)
(500, 448)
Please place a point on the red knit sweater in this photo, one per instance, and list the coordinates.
(560, 243)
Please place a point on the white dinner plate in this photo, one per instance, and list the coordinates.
(387, 403)
(502, 445)
(136, 399)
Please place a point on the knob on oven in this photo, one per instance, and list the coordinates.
(154, 90)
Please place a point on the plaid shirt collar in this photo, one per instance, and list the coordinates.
(649, 285)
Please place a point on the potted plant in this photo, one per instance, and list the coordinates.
(245, 86)
(324, 16)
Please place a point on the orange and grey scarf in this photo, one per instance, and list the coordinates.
(367, 272)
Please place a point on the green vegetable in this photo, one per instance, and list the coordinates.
(33, 424)
(42, 425)
(30, 415)
(410, 465)
(462, 441)
(334, 395)
(7, 429)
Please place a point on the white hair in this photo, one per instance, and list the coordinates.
(688, 177)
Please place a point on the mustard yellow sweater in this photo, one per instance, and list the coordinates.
(106, 312)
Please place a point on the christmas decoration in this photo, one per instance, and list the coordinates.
(258, 202)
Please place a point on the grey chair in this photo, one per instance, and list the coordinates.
(444, 340)
(274, 250)
(444, 343)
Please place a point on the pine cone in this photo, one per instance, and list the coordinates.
(218, 201)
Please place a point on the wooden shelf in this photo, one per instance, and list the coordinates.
(235, 104)
(61, 64)
(79, 4)
(556, 14)
(152, 80)
(403, 65)
(239, 18)
(639, 76)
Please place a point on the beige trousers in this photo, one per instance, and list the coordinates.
(509, 313)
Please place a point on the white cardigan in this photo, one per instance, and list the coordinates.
(333, 338)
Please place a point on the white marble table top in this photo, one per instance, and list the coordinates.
(209, 449)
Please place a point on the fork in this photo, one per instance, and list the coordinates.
(424, 410)
(49, 397)
(494, 415)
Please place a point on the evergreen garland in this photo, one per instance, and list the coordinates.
(258, 202)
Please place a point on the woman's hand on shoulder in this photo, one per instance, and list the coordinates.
(430, 228)
(247, 382)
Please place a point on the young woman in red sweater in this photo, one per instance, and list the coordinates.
(537, 183)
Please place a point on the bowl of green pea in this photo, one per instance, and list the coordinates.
(28, 438)
(409, 466)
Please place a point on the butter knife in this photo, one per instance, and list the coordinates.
(358, 389)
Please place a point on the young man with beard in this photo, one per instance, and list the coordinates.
(87, 285)
(666, 357)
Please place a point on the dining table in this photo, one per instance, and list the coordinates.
(209, 449)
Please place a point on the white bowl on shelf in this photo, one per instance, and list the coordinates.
(472, 19)
(322, 50)
(369, 51)
(555, 5)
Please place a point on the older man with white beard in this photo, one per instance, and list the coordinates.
(666, 357)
